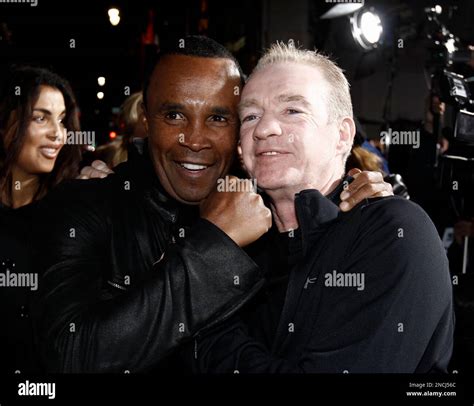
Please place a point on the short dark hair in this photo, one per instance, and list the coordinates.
(15, 115)
(191, 45)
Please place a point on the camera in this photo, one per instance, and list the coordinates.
(456, 165)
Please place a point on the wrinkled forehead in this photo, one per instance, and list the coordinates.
(286, 81)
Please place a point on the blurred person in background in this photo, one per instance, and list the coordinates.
(366, 157)
(116, 151)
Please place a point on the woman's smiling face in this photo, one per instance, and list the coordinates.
(45, 134)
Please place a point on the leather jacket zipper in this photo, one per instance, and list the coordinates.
(116, 285)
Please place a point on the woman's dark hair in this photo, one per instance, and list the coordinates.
(17, 99)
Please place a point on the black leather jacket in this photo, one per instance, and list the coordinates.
(129, 274)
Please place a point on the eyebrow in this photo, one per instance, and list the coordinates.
(166, 106)
(283, 98)
(288, 98)
(221, 111)
(46, 111)
(246, 103)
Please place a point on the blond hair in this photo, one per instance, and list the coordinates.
(339, 98)
(364, 160)
(131, 111)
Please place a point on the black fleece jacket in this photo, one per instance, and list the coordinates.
(368, 292)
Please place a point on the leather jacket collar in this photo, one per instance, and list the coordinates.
(144, 174)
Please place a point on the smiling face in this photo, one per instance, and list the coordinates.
(287, 141)
(192, 123)
(45, 134)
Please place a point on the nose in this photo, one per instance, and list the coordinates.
(267, 126)
(57, 131)
(196, 138)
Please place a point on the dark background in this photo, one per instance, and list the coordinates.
(41, 35)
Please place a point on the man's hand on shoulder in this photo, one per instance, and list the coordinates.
(98, 169)
(366, 184)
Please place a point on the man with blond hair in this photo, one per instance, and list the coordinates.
(360, 292)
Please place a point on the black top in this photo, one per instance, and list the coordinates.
(17, 280)
(264, 315)
(370, 292)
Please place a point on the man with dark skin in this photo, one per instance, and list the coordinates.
(192, 126)
(152, 256)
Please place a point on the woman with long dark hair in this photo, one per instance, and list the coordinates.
(37, 112)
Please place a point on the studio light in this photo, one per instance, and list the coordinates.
(366, 28)
(114, 16)
(101, 81)
(100, 95)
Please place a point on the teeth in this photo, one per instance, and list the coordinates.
(270, 153)
(50, 152)
(193, 167)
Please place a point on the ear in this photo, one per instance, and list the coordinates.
(144, 116)
(347, 130)
(239, 149)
